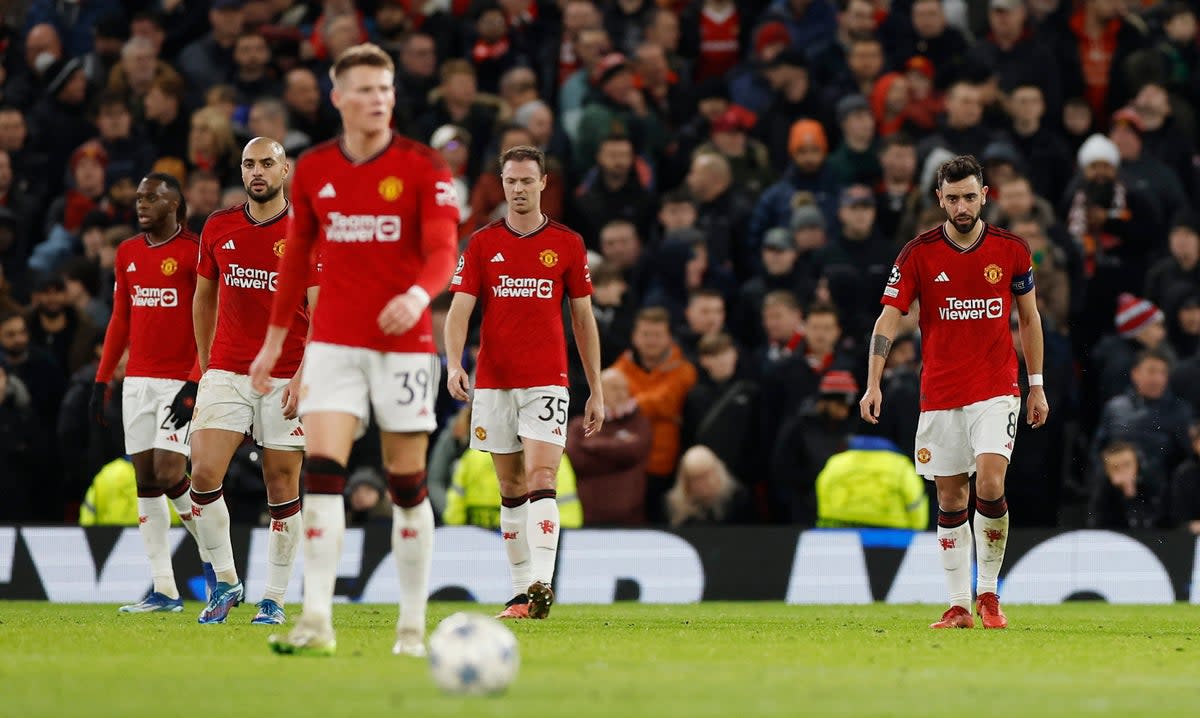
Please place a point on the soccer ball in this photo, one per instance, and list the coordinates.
(473, 654)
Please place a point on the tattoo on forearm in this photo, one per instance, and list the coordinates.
(880, 345)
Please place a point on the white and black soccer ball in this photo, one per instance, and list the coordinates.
(473, 654)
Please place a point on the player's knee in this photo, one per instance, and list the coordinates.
(512, 485)
(206, 477)
(407, 490)
(323, 475)
(168, 471)
(953, 499)
(542, 477)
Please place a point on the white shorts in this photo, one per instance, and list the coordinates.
(401, 388)
(145, 405)
(227, 401)
(949, 440)
(500, 418)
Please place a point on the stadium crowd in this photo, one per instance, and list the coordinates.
(743, 174)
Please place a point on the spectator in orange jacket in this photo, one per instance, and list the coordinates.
(659, 379)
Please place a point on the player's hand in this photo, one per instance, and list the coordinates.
(260, 369)
(458, 383)
(98, 403)
(593, 414)
(184, 404)
(869, 406)
(291, 398)
(400, 314)
(1036, 407)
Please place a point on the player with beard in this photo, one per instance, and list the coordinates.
(518, 269)
(152, 317)
(966, 274)
(239, 250)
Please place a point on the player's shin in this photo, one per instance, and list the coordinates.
(412, 545)
(154, 519)
(954, 543)
(287, 525)
(210, 514)
(514, 517)
(179, 497)
(991, 537)
(324, 528)
(542, 530)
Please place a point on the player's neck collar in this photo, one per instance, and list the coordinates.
(983, 228)
(269, 220)
(358, 161)
(545, 222)
(149, 239)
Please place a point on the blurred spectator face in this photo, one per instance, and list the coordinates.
(75, 91)
(541, 125)
(809, 158)
(964, 106)
(778, 262)
(1104, 10)
(865, 60)
(114, 122)
(708, 177)
(1153, 105)
(391, 18)
(456, 153)
(1077, 118)
(664, 30)
(899, 163)
(14, 338)
(928, 19)
(897, 96)
(515, 137)
(821, 333)
(609, 294)
(42, 47)
(835, 408)
(93, 241)
(123, 192)
(857, 220)
(89, 177)
(809, 238)
(6, 174)
(712, 107)
(139, 62)
(859, 128)
(619, 85)
(1007, 25)
(160, 106)
(50, 301)
(651, 340)
(491, 25)
(1127, 140)
(720, 366)
(859, 17)
(578, 15)
(152, 31)
(232, 197)
(903, 353)
(1185, 247)
(12, 130)
(652, 63)
(341, 32)
(418, 58)
(1188, 317)
(1121, 469)
(592, 45)
(460, 88)
(302, 93)
(620, 246)
(615, 159)
(252, 55)
(226, 23)
(517, 85)
(1150, 377)
(1181, 29)
(267, 121)
(705, 315)
(1026, 105)
(1100, 171)
(616, 390)
(677, 215)
(780, 322)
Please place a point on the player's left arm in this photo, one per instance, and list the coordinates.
(1032, 343)
(587, 340)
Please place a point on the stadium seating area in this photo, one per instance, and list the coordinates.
(743, 174)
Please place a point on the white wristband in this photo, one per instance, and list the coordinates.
(419, 294)
(1036, 380)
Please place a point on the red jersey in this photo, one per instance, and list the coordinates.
(152, 309)
(966, 296)
(719, 31)
(374, 221)
(242, 255)
(520, 281)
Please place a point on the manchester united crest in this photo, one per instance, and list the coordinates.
(993, 273)
(548, 257)
(480, 433)
(169, 266)
(923, 455)
(390, 188)
(278, 248)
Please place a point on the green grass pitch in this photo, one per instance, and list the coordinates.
(712, 659)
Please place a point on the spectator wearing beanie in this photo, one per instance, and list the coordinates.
(1140, 325)
(59, 123)
(808, 172)
(1144, 173)
(748, 83)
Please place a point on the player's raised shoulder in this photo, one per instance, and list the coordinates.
(1005, 234)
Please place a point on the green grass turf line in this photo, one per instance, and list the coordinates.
(712, 659)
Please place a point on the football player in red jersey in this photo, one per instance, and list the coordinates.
(518, 269)
(966, 274)
(384, 212)
(155, 276)
(239, 251)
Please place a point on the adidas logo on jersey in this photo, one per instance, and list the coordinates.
(228, 245)
(298, 431)
(941, 277)
(327, 191)
(498, 258)
(173, 437)
(131, 268)
(557, 431)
